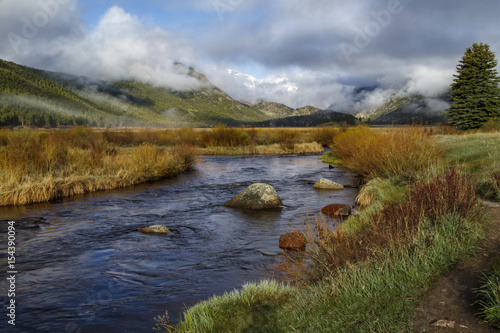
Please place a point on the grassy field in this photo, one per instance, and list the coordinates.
(479, 155)
(366, 275)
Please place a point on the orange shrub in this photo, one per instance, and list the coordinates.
(386, 154)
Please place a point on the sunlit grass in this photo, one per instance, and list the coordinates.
(37, 166)
(373, 154)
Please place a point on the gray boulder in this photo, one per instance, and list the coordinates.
(256, 196)
(326, 184)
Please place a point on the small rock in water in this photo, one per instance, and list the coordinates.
(326, 184)
(337, 210)
(155, 229)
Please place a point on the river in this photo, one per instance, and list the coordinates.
(86, 268)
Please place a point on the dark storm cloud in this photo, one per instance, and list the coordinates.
(311, 33)
(401, 46)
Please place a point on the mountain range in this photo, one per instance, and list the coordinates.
(410, 109)
(35, 97)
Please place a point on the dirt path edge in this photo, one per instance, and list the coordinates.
(450, 300)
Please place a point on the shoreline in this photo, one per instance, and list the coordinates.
(47, 189)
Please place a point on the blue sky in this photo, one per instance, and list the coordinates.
(300, 52)
(178, 19)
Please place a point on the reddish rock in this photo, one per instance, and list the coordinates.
(293, 241)
(337, 210)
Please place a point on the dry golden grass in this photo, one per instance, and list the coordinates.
(36, 166)
(397, 151)
(221, 136)
(273, 149)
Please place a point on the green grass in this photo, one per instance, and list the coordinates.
(489, 296)
(479, 155)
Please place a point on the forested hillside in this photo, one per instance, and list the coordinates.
(33, 97)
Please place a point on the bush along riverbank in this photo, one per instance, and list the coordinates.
(421, 216)
(39, 166)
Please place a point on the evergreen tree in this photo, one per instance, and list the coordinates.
(475, 90)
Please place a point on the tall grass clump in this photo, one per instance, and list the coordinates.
(225, 137)
(38, 166)
(324, 135)
(253, 307)
(385, 154)
(489, 296)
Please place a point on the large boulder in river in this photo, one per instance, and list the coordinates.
(256, 196)
(293, 241)
(155, 229)
(326, 184)
(337, 210)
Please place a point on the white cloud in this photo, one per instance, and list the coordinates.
(428, 81)
(119, 47)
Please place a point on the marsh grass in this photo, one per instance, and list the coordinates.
(222, 137)
(38, 166)
(273, 149)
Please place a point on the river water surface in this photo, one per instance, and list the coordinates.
(85, 268)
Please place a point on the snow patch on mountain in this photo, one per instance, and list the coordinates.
(272, 82)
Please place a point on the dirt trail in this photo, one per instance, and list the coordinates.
(451, 297)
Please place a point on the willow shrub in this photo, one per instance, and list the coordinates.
(385, 154)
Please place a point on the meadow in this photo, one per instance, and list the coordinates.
(421, 215)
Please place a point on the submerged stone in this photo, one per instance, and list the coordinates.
(337, 210)
(293, 241)
(256, 196)
(326, 184)
(155, 229)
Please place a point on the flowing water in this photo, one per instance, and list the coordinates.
(82, 266)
